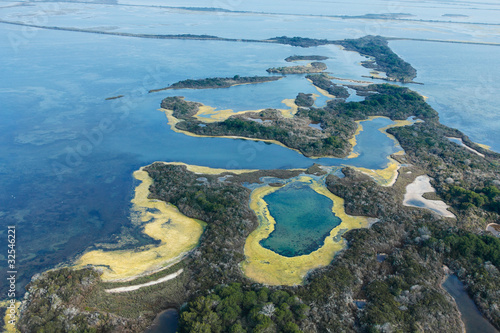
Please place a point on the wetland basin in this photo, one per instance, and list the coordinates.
(272, 268)
(303, 219)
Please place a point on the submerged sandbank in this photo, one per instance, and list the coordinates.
(162, 221)
(414, 197)
(268, 267)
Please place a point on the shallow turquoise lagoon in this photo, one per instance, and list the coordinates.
(303, 219)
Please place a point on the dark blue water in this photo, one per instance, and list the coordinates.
(461, 83)
(303, 219)
(472, 318)
(165, 322)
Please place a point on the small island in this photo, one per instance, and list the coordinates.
(373, 46)
(313, 67)
(305, 57)
(218, 82)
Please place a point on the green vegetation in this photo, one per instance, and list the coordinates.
(218, 82)
(374, 46)
(234, 308)
(486, 197)
(322, 81)
(386, 60)
(56, 304)
(181, 109)
(337, 119)
(304, 100)
(292, 132)
(299, 41)
(397, 103)
(466, 181)
(314, 67)
(305, 57)
(67, 300)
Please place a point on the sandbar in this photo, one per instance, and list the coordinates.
(203, 170)
(321, 91)
(265, 266)
(162, 221)
(209, 114)
(353, 141)
(384, 177)
(147, 284)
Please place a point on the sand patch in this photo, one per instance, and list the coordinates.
(147, 284)
(414, 197)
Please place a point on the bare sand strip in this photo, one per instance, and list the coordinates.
(415, 191)
(466, 147)
(152, 283)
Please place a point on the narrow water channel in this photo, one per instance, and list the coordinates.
(472, 318)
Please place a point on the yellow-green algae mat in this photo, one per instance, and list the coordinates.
(162, 221)
(268, 267)
(11, 315)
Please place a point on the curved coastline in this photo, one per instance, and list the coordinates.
(162, 221)
(267, 267)
(172, 121)
(387, 176)
(216, 116)
(384, 177)
(321, 91)
(209, 114)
